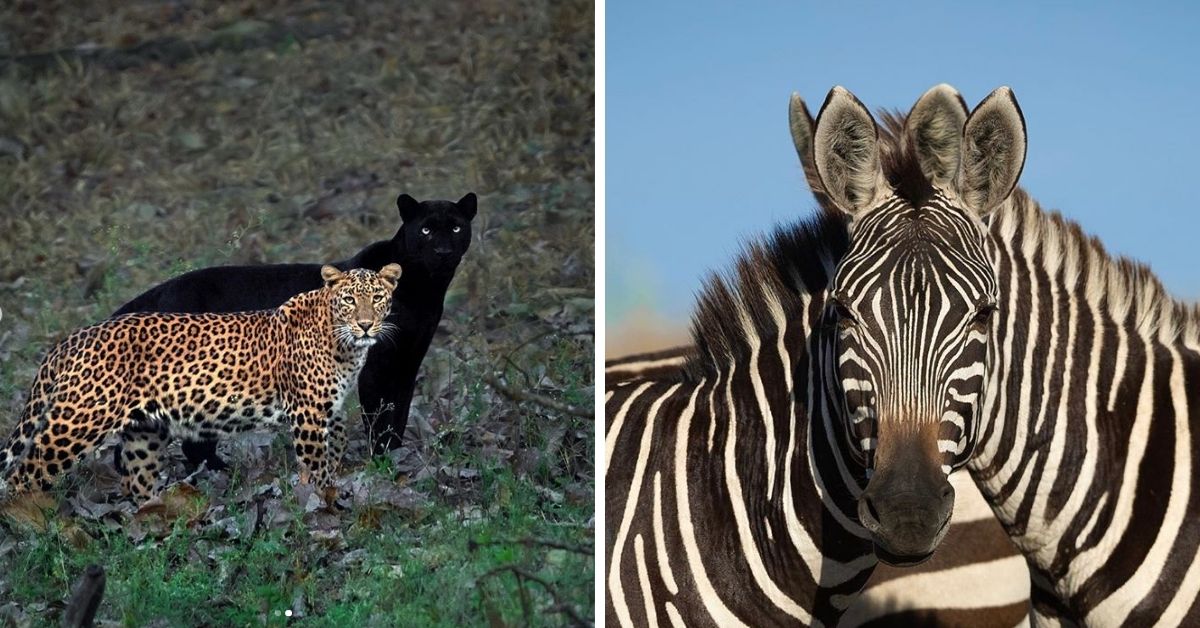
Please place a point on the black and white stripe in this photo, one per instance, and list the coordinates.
(729, 498)
(1085, 444)
(1088, 449)
(977, 578)
(753, 437)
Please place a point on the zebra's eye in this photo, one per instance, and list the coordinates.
(456, 229)
(844, 315)
(983, 316)
(425, 230)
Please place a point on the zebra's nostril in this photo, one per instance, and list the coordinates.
(867, 514)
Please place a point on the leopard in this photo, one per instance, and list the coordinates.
(150, 377)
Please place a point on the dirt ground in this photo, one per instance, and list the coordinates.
(142, 139)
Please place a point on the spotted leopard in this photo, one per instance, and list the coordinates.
(148, 377)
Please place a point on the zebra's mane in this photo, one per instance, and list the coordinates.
(777, 275)
(1128, 290)
(771, 282)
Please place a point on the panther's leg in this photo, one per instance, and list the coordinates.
(142, 447)
(65, 436)
(337, 443)
(310, 437)
(203, 450)
(385, 390)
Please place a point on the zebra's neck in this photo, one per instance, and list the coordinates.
(767, 473)
(1086, 447)
(745, 452)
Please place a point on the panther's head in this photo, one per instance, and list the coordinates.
(360, 299)
(435, 234)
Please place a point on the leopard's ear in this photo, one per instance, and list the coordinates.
(390, 274)
(330, 274)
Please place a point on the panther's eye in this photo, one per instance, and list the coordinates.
(456, 229)
(425, 230)
(984, 315)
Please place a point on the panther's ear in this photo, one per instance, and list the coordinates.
(993, 152)
(846, 153)
(331, 275)
(409, 208)
(390, 275)
(467, 206)
(935, 127)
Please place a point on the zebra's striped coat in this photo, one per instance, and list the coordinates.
(1086, 445)
(730, 502)
(1087, 451)
(976, 579)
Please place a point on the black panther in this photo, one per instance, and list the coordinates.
(432, 239)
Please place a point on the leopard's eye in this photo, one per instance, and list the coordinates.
(379, 298)
(425, 230)
(456, 229)
(348, 300)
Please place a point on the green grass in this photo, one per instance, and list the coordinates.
(392, 570)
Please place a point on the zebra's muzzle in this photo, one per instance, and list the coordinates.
(906, 526)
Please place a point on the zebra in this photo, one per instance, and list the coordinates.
(749, 442)
(1073, 410)
(977, 555)
(685, 514)
(977, 578)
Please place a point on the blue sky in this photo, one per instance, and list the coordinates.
(699, 158)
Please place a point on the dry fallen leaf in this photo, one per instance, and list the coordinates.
(179, 501)
(29, 510)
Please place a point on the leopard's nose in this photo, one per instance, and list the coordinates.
(366, 326)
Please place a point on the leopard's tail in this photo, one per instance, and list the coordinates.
(33, 421)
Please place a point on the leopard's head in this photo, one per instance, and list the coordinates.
(360, 299)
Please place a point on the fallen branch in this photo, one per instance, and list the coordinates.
(531, 542)
(559, 605)
(541, 400)
(81, 608)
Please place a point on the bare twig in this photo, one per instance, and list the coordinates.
(508, 354)
(531, 542)
(526, 602)
(541, 400)
(523, 575)
(81, 608)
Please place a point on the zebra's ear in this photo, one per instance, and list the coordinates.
(846, 153)
(800, 123)
(993, 152)
(935, 128)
